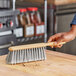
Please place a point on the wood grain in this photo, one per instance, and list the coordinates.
(57, 64)
(36, 45)
(5, 71)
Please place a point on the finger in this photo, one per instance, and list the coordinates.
(60, 40)
(51, 46)
(52, 38)
(59, 46)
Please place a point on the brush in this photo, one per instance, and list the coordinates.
(28, 53)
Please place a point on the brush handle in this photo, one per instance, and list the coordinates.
(32, 46)
(54, 44)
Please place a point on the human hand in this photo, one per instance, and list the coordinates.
(62, 37)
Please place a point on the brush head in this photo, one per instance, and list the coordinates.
(26, 55)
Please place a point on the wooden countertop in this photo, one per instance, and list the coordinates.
(57, 64)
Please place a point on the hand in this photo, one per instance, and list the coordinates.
(62, 37)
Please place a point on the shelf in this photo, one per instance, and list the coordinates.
(56, 2)
(36, 1)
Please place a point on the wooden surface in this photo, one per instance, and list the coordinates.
(57, 64)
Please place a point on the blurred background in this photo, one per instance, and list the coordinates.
(25, 24)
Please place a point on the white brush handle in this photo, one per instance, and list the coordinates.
(31, 46)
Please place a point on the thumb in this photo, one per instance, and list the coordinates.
(59, 41)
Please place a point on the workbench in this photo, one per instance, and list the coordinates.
(57, 64)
